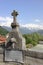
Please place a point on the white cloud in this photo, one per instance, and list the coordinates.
(37, 20)
(32, 26)
(6, 21)
(2, 18)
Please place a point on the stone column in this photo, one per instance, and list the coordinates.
(14, 14)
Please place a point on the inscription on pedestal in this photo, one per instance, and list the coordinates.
(13, 56)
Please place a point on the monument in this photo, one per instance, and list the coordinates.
(15, 42)
(15, 35)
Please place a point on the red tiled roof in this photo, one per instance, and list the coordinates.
(2, 39)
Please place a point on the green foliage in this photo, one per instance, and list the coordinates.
(33, 38)
(29, 45)
(29, 40)
(3, 31)
(34, 43)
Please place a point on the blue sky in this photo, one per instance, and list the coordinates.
(30, 11)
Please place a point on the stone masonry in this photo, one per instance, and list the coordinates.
(15, 35)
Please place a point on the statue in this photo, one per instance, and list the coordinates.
(15, 34)
(15, 42)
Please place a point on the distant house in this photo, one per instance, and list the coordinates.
(2, 40)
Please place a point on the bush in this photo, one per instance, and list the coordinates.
(33, 38)
(34, 43)
(29, 46)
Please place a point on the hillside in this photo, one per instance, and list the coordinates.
(40, 31)
(33, 39)
(3, 31)
(25, 30)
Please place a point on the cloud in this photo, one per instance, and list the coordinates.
(32, 26)
(37, 20)
(5, 21)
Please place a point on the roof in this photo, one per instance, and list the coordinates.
(2, 39)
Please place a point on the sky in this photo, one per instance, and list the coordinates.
(30, 12)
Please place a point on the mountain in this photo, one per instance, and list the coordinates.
(7, 28)
(3, 31)
(23, 30)
(40, 31)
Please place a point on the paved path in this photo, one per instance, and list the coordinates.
(33, 61)
(38, 48)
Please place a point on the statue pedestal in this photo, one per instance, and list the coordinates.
(14, 56)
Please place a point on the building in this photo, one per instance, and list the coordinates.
(2, 40)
